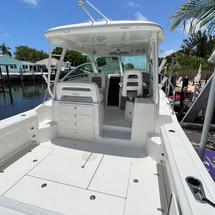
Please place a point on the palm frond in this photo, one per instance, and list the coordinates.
(196, 12)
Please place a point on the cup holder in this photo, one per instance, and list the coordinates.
(193, 181)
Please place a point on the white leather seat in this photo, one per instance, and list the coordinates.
(132, 85)
(98, 78)
(78, 92)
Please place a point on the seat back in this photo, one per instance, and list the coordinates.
(132, 85)
(78, 92)
(99, 79)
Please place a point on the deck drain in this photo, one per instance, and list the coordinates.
(44, 185)
(136, 181)
(35, 160)
(93, 197)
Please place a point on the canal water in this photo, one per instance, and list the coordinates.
(21, 97)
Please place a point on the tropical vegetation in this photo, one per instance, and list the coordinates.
(195, 51)
(198, 17)
(196, 14)
(4, 50)
(72, 56)
(25, 53)
(199, 44)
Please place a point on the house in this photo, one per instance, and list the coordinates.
(30, 67)
(15, 66)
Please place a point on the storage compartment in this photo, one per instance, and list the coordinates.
(75, 121)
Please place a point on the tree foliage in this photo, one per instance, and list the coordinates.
(101, 61)
(72, 56)
(188, 62)
(195, 50)
(196, 13)
(5, 50)
(25, 53)
(198, 44)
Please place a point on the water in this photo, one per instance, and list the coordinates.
(22, 98)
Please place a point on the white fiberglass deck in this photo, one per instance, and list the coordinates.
(62, 176)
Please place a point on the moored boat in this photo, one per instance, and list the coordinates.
(108, 142)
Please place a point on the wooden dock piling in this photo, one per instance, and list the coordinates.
(9, 85)
(2, 84)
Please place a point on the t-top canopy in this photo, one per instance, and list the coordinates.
(112, 38)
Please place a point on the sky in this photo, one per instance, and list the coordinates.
(23, 22)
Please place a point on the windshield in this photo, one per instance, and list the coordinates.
(134, 62)
(79, 71)
(108, 65)
(118, 65)
(111, 65)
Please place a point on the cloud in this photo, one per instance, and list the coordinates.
(140, 17)
(31, 2)
(132, 4)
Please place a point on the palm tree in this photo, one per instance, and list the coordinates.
(198, 44)
(5, 50)
(197, 13)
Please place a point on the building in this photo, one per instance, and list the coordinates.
(16, 66)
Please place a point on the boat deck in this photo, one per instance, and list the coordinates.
(66, 177)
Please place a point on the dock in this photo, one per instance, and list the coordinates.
(28, 76)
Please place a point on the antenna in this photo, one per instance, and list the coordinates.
(81, 4)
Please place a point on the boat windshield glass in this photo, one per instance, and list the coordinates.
(117, 65)
(134, 62)
(108, 65)
(78, 72)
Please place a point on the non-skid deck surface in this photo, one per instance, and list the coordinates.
(116, 117)
(60, 177)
